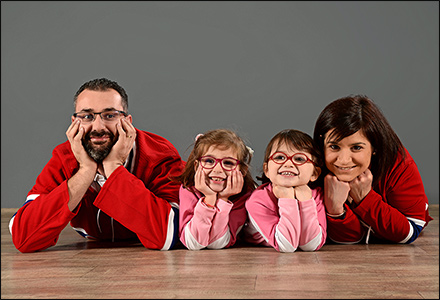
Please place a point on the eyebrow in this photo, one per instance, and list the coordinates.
(353, 144)
(91, 110)
(220, 158)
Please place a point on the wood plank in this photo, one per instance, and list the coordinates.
(77, 268)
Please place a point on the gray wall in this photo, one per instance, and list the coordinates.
(256, 67)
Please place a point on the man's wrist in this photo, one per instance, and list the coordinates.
(109, 168)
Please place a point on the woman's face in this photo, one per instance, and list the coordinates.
(349, 157)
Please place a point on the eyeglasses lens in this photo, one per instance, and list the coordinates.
(298, 159)
(226, 163)
(107, 116)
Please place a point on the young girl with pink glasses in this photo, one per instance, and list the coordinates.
(215, 184)
(286, 212)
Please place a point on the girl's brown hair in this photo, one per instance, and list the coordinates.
(223, 139)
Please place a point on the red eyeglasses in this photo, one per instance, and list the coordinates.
(227, 163)
(297, 159)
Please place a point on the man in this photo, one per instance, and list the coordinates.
(109, 180)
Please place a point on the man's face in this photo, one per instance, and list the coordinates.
(100, 135)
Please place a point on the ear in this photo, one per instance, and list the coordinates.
(265, 170)
(316, 174)
(243, 171)
(196, 165)
(129, 119)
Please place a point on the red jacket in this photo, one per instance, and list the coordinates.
(134, 202)
(397, 211)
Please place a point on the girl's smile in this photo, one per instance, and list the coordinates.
(216, 178)
(288, 174)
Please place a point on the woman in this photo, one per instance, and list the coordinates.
(372, 187)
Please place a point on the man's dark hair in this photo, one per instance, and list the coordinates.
(103, 84)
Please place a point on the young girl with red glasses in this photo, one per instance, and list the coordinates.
(287, 212)
(215, 183)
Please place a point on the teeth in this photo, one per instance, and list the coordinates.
(217, 179)
(348, 168)
(287, 174)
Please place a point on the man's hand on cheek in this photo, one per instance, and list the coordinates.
(75, 133)
(126, 135)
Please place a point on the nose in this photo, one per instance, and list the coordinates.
(289, 163)
(218, 167)
(98, 123)
(344, 157)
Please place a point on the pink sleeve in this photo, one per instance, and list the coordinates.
(277, 220)
(202, 226)
(221, 220)
(228, 221)
(195, 220)
(288, 230)
(287, 224)
(313, 222)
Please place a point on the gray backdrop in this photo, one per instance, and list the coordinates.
(255, 67)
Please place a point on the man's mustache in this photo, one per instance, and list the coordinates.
(98, 134)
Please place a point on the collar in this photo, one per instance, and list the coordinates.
(128, 164)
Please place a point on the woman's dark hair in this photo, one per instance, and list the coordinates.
(346, 116)
(293, 139)
(103, 84)
(223, 139)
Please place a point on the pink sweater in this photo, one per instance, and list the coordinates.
(203, 227)
(286, 224)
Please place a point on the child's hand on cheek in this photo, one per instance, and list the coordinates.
(200, 182)
(303, 192)
(283, 191)
(234, 185)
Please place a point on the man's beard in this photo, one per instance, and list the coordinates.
(98, 151)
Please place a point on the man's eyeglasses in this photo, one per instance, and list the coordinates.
(297, 159)
(227, 163)
(107, 116)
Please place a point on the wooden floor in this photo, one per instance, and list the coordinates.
(75, 268)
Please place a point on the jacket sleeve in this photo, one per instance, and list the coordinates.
(398, 214)
(150, 208)
(39, 222)
(205, 227)
(195, 220)
(228, 222)
(313, 222)
(287, 224)
(348, 230)
(280, 227)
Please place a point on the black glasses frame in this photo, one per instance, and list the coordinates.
(98, 113)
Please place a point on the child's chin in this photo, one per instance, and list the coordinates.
(217, 188)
